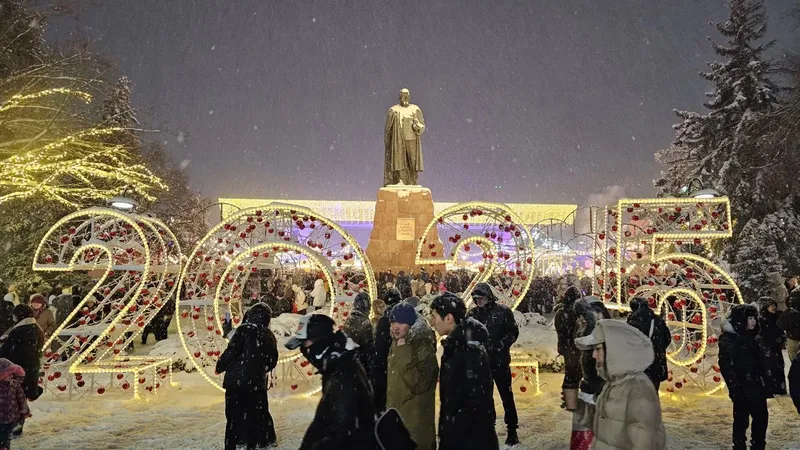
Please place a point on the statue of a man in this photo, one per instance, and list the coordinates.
(402, 144)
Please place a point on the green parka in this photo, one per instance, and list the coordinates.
(411, 383)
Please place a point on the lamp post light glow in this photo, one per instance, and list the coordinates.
(122, 203)
(705, 193)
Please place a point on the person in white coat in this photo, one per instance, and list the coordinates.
(300, 302)
(318, 294)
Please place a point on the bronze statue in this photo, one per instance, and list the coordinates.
(402, 143)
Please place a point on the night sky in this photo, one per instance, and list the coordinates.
(524, 101)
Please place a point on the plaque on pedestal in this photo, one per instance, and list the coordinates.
(401, 215)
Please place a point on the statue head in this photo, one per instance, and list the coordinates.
(405, 97)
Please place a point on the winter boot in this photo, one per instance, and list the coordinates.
(512, 438)
(581, 440)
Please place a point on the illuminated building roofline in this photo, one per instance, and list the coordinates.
(347, 211)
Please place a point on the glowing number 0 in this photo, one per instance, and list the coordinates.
(274, 237)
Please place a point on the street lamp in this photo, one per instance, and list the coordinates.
(705, 193)
(695, 189)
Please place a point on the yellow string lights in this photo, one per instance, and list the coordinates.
(61, 160)
(136, 260)
(284, 239)
(503, 237)
(640, 238)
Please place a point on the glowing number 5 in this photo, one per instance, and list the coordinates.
(695, 293)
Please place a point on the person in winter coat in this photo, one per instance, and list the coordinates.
(23, 346)
(653, 326)
(778, 290)
(466, 414)
(413, 371)
(503, 332)
(251, 353)
(359, 328)
(565, 323)
(6, 310)
(13, 404)
(794, 382)
(789, 321)
(628, 412)
(743, 367)
(383, 344)
(44, 317)
(772, 339)
(299, 299)
(345, 416)
(587, 312)
(319, 294)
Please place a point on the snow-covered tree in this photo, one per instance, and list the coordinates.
(733, 148)
(714, 147)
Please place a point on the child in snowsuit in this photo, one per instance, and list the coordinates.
(13, 404)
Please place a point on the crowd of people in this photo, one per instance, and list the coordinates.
(386, 369)
(374, 370)
(613, 369)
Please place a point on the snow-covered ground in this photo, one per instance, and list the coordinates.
(193, 417)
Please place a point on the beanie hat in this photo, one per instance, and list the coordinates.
(404, 313)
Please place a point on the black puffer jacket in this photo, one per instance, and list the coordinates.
(740, 359)
(588, 311)
(653, 326)
(466, 416)
(252, 352)
(359, 328)
(500, 323)
(345, 416)
(789, 321)
(23, 347)
(565, 323)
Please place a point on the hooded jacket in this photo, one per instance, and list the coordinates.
(411, 383)
(466, 415)
(251, 353)
(359, 328)
(499, 322)
(740, 359)
(645, 320)
(13, 405)
(628, 414)
(23, 347)
(318, 293)
(345, 416)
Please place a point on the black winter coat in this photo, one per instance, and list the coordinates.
(740, 359)
(6, 315)
(23, 347)
(380, 363)
(503, 330)
(789, 321)
(771, 340)
(565, 331)
(345, 416)
(359, 328)
(588, 311)
(252, 352)
(654, 327)
(466, 416)
(794, 382)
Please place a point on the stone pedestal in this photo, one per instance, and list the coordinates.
(401, 215)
